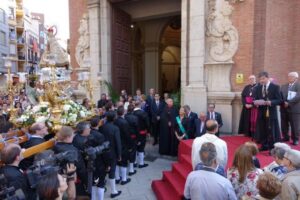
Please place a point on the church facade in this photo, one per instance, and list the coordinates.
(206, 49)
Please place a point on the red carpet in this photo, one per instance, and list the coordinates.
(171, 185)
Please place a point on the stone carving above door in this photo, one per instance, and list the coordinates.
(221, 36)
(82, 52)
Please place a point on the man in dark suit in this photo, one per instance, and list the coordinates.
(200, 124)
(211, 114)
(157, 107)
(284, 114)
(38, 131)
(191, 117)
(267, 98)
(293, 104)
(103, 101)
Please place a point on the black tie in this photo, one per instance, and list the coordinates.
(264, 91)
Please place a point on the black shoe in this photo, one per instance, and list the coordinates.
(115, 195)
(125, 182)
(144, 165)
(132, 173)
(295, 142)
(135, 165)
(118, 180)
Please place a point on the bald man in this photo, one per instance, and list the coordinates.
(221, 146)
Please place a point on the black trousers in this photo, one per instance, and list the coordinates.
(141, 143)
(285, 123)
(295, 125)
(155, 130)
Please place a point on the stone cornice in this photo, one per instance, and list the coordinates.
(93, 3)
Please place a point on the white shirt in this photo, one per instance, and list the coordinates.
(212, 115)
(221, 147)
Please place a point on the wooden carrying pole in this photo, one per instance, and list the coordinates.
(38, 148)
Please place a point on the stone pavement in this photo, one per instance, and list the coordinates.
(140, 186)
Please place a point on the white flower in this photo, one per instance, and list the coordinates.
(41, 119)
(73, 117)
(82, 113)
(66, 107)
(36, 108)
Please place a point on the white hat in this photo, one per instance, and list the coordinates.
(281, 145)
(293, 156)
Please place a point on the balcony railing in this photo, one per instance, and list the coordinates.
(12, 36)
(21, 40)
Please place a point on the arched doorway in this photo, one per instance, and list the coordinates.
(171, 56)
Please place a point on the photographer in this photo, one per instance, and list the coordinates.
(127, 145)
(133, 128)
(11, 156)
(64, 144)
(112, 134)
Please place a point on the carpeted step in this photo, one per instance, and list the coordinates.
(176, 182)
(164, 191)
(185, 147)
(186, 159)
(182, 169)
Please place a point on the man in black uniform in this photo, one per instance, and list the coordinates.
(11, 157)
(133, 122)
(127, 143)
(112, 134)
(143, 128)
(102, 161)
(38, 131)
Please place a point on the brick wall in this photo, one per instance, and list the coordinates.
(243, 20)
(269, 32)
(76, 10)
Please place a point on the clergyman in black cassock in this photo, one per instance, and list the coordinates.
(247, 124)
(267, 97)
(168, 143)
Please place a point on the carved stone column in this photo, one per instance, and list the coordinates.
(94, 29)
(192, 54)
(221, 45)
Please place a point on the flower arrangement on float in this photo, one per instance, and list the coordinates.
(72, 112)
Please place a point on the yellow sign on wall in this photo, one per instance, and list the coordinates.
(239, 78)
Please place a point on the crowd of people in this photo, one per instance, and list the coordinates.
(260, 115)
(245, 179)
(110, 147)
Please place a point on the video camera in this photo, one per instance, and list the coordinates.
(9, 193)
(92, 152)
(53, 163)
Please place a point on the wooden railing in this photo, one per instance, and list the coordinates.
(20, 137)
